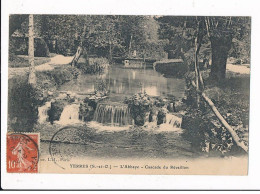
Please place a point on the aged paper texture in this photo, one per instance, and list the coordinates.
(128, 94)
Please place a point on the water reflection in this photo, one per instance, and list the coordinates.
(126, 82)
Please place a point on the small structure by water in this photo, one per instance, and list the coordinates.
(114, 114)
(134, 63)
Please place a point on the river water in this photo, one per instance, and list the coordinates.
(139, 142)
(122, 82)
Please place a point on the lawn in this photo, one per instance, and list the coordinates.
(23, 61)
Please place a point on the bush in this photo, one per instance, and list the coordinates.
(62, 75)
(143, 107)
(96, 65)
(203, 128)
(41, 49)
(19, 46)
(139, 104)
(23, 103)
(87, 110)
(171, 68)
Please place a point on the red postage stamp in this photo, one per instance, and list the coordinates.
(22, 152)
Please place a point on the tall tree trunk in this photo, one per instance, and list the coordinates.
(130, 45)
(32, 76)
(198, 42)
(80, 48)
(182, 53)
(110, 51)
(220, 47)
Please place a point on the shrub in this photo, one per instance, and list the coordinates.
(23, 103)
(143, 107)
(139, 104)
(96, 65)
(41, 49)
(171, 68)
(86, 112)
(202, 125)
(19, 46)
(55, 111)
(62, 75)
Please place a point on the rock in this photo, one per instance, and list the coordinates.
(62, 96)
(69, 93)
(171, 107)
(50, 93)
(73, 95)
(179, 106)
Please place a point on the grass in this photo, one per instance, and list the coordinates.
(23, 61)
(231, 98)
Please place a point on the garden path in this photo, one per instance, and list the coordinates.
(49, 66)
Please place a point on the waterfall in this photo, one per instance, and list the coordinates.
(113, 114)
(70, 115)
(173, 120)
(150, 121)
(172, 123)
(43, 112)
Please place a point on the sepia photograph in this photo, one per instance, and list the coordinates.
(135, 94)
(117, 95)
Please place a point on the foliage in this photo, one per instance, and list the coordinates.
(220, 34)
(15, 22)
(22, 104)
(95, 65)
(62, 75)
(208, 135)
(113, 35)
(106, 35)
(142, 104)
(19, 46)
(179, 31)
(170, 68)
(87, 109)
(139, 105)
(55, 111)
(231, 97)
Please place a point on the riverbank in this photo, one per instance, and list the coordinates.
(24, 99)
(171, 67)
(231, 98)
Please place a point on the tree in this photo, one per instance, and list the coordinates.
(220, 33)
(140, 33)
(64, 29)
(80, 48)
(180, 31)
(106, 35)
(15, 22)
(223, 33)
(32, 76)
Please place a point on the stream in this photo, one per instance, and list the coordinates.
(123, 142)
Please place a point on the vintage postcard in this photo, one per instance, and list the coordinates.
(128, 94)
